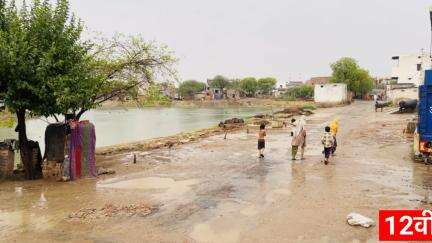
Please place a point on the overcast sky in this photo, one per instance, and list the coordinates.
(287, 39)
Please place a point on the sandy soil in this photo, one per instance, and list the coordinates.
(217, 190)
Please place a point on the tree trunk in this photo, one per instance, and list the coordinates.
(26, 151)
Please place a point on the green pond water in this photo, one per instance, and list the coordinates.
(116, 126)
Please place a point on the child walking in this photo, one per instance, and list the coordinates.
(334, 125)
(261, 140)
(327, 140)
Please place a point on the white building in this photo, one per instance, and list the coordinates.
(410, 68)
(336, 93)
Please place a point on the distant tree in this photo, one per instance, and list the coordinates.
(249, 86)
(219, 82)
(155, 96)
(346, 70)
(190, 87)
(266, 85)
(235, 84)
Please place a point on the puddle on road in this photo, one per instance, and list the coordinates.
(22, 220)
(250, 211)
(170, 186)
(204, 233)
(272, 196)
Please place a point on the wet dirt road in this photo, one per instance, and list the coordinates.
(217, 190)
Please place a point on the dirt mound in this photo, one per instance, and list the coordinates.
(234, 121)
(295, 111)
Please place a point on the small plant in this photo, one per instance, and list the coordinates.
(7, 122)
(309, 107)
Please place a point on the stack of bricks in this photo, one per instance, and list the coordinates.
(7, 157)
(51, 170)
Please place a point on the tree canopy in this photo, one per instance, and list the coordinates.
(190, 87)
(266, 85)
(219, 82)
(249, 85)
(346, 70)
(47, 69)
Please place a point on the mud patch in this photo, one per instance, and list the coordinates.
(204, 233)
(111, 210)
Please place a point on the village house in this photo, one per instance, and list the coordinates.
(234, 94)
(318, 80)
(406, 76)
(410, 68)
(400, 91)
(335, 93)
(168, 89)
(292, 84)
(278, 92)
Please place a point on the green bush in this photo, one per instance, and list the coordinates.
(302, 92)
(188, 88)
(154, 96)
(6, 120)
(308, 107)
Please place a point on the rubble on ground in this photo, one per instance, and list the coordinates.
(111, 210)
(355, 219)
(105, 171)
(234, 121)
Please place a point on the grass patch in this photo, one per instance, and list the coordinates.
(309, 107)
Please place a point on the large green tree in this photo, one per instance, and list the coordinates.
(39, 46)
(188, 88)
(346, 70)
(46, 69)
(266, 85)
(249, 86)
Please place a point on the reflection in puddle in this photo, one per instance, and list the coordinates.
(170, 186)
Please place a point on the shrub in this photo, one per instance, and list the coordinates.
(190, 87)
(302, 92)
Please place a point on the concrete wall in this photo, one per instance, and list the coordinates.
(396, 95)
(406, 68)
(330, 93)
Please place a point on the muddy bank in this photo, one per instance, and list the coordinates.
(273, 121)
(168, 142)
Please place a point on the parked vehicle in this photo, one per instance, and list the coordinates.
(424, 128)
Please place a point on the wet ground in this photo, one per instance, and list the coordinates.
(217, 190)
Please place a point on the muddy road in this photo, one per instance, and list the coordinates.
(217, 190)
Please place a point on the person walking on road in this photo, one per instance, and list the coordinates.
(327, 141)
(298, 138)
(261, 140)
(334, 126)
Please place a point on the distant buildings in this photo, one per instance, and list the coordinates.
(292, 84)
(318, 80)
(410, 68)
(400, 91)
